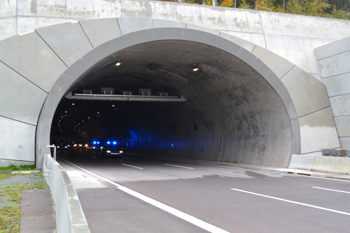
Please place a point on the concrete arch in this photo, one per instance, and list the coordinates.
(75, 71)
(65, 67)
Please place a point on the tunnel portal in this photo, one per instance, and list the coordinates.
(230, 113)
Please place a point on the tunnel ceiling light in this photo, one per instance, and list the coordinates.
(98, 112)
(118, 63)
(73, 103)
(65, 111)
(113, 106)
(82, 121)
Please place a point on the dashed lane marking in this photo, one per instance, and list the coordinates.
(195, 221)
(128, 165)
(172, 165)
(333, 190)
(292, 202)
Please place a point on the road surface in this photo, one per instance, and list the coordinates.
(139, 194)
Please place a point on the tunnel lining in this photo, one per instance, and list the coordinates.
(129, 40)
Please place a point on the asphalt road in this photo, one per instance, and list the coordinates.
(230, 198)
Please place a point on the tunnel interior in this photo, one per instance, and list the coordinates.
(230, 113)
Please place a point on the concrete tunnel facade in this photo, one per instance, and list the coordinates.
(246, 110)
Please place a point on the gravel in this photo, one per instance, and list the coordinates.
(31, 179)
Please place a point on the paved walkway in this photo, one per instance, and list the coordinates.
(37, 210)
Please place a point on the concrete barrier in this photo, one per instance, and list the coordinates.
(332, 164)
(305, 162)
(318, 163)
(69, 213)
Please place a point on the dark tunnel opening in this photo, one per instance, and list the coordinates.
(230, 113)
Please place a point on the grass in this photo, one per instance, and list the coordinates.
(10, 215)
(17, 168)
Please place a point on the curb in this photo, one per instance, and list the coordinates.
(26, 172)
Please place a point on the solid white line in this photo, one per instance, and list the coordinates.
(293, 202)
(195, 221)
(325, 178)
(172, 165)
(131, 166)
(334, 190)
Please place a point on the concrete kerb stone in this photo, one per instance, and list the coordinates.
(26, 172)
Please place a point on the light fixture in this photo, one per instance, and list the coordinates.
(65, 111)
(195, 67)
(73, 103)
(118, 63)
(113, 106)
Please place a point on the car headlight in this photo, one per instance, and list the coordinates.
(58, 146)
(108, 151)
(121, 152)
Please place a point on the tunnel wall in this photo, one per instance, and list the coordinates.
(41, 57)
(290, 36)
(333, 63)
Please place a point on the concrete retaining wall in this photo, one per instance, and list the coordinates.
(334, 66)
(69, 213)
(37, 59)
(292, 37)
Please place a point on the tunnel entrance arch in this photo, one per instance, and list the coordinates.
(266, 134)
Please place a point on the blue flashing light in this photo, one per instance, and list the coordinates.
(94, 142)
(98, 142)
(108, 142)
(114, 143)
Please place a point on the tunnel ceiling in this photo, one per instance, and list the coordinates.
(231, 113)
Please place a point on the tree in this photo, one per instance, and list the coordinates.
(269, 4)
(244, 5)
(227, 3)
(307, 7)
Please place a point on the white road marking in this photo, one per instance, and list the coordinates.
(131, 166)
(172, 165)
(293, 202)
(195, 221)
(334, 190)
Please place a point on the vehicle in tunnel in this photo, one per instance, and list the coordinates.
(61, 145)
(96, 145)
(112, 150)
